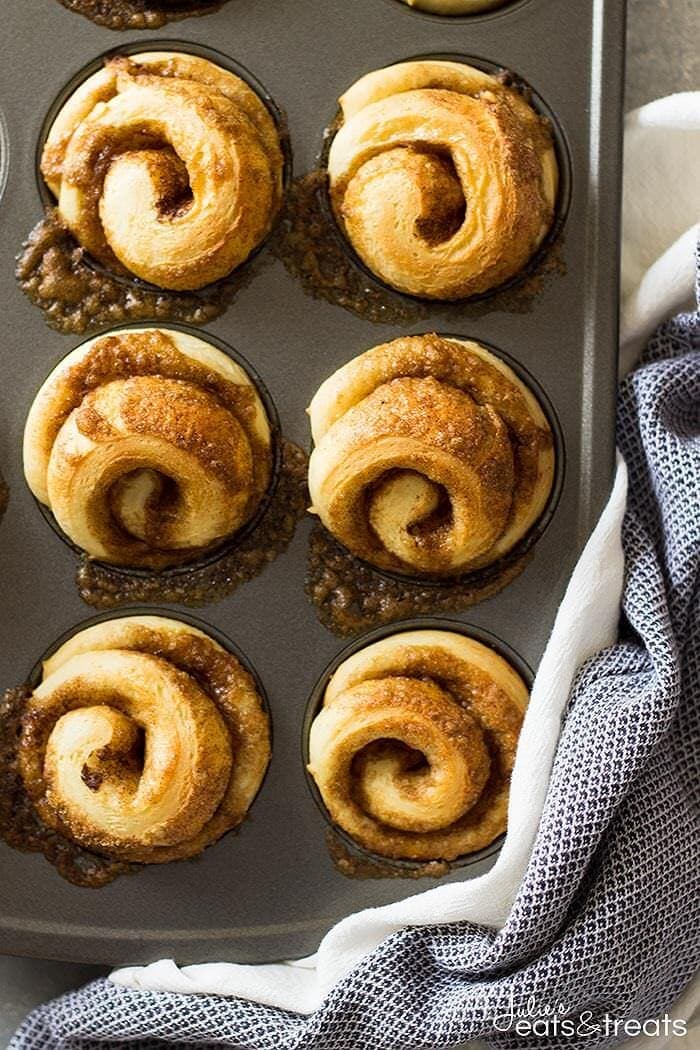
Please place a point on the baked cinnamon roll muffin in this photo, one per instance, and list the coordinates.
(149, 446)
(414, 745)
(442, 177)
(144, 741)
(431, 457)
(165, 167)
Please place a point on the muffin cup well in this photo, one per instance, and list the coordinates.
(504, 8)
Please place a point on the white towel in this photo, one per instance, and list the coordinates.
(661, 224)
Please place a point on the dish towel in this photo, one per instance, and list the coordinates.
(591, 914)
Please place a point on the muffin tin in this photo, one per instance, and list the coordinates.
(271, 891)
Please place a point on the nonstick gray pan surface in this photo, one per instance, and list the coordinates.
(271, 891)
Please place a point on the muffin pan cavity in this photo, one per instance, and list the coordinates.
(460, 10)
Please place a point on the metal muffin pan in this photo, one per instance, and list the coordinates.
(270, 891)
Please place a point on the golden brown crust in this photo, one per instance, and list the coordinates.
(431, 456)
(150, 446)
(443, 178)
(413, 748)
(145, 740)
(167, 167)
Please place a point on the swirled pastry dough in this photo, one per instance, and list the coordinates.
(431, 456)
(150, 446)
(443, 178)
(413, 748)
(144, 741)
(167, 167)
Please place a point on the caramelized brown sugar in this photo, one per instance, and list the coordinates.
(140, 14)
(350, 596)
(76, 296)
(104, 587)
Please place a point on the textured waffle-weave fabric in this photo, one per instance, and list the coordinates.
(606, 923)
